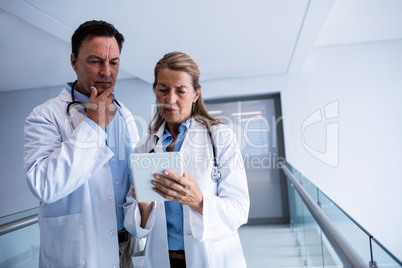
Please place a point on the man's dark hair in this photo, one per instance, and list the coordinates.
(94, 28)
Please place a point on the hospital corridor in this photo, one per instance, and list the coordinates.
(224, 134)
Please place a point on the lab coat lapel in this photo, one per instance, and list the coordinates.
(158, 136)
(129, 126)
(193, 136)
(65, 96)
(77, 113)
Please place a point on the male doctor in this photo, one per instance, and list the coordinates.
(76, 158)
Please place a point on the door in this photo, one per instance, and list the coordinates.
(257, 124)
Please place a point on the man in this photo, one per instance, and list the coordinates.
(76, 158)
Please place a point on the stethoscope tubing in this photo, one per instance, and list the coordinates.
(73, 101)
(215, 173)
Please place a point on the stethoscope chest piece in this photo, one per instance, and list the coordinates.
(215, 174)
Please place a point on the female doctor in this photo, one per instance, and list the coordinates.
(197, 227)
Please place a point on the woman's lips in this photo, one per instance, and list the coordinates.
(170, 110)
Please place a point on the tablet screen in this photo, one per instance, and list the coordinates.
(144, 166)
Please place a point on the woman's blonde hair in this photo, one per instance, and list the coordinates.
(179, 61)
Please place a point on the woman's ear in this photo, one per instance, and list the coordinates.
(197, 95)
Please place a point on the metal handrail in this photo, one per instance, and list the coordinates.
(343, 249)
(18, 224)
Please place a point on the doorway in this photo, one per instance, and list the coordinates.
(257, 124)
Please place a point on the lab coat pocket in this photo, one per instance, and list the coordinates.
(62, 240)
(139, 260)
(227, 252)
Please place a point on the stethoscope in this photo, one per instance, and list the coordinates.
(72, 103)
(215, 173)
(79, 103)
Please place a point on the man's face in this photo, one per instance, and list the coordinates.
(97, 64)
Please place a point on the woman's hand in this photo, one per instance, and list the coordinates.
(135, 197)
(182, 189)
(145, 208)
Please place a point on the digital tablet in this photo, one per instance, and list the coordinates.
(145, 166)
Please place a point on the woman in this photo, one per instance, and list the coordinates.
(198, 227)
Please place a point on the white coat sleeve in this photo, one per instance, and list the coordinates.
(132, 218)
(225, 212)
(132, 215)
(55, 168)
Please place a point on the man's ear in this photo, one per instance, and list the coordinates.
(73, 60)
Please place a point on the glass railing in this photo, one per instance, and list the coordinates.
(316, 250)
(19, 246)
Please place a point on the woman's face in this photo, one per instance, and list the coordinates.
(175, 96)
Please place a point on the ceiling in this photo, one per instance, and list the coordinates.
(226, 38)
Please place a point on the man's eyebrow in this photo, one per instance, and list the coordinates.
(100, 58)
(94, 57)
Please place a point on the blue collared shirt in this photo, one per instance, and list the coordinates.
(174, 210)
(119, 162)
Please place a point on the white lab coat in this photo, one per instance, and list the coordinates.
(69, 172)
(211, 239)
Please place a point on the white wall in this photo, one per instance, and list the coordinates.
(365, 82)
(14, 108)
(139, 98)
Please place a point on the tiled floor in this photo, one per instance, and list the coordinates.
(264, 246)
(276, 246)
(268, 246)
